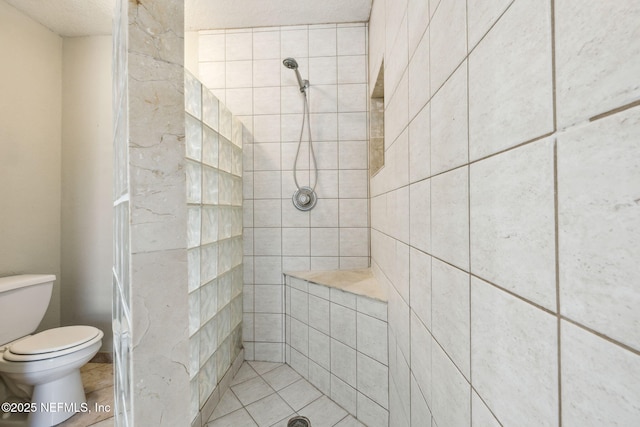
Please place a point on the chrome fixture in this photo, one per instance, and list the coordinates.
(292, 64)
(305, 197)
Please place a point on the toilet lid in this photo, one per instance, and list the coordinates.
(52, 341)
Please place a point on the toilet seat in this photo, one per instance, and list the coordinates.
(52, 343)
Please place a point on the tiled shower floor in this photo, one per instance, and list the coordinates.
(267, 394)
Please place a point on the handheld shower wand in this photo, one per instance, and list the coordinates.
(292, 64)
(305, 197)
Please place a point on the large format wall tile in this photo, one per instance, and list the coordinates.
(450, 217)
(514, 349)
(510, 81)
(448, 44)
(450, 315)
(451, 405)
(449, 133)
(512, 221)
(598, 221)
(597, 57)
(599, 381)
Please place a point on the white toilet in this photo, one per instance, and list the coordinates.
(45, 366)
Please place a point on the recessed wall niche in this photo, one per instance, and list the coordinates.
(376, 131)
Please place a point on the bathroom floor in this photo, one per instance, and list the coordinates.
(269, 394)
(97, 379)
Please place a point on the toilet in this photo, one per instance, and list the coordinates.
(45, 367)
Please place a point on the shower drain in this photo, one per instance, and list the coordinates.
(299, 422)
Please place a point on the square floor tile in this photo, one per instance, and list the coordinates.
(227, 405)
(300, 394)
(323, 412)
(264, 367)
(281, 377)
(269, 410)
(246, 372)
(252, 390)
(238, 418)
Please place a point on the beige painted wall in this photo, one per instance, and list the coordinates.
(87, 183)
(30, 150)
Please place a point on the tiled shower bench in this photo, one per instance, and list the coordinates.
(336, 338)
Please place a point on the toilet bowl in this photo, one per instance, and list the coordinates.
(45, 365)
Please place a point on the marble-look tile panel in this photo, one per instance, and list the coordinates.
(598, 172)
(450, 217)
(450, 315)
(597, 51)
(510, 81)
(448, 44)
(513, 339)
(512, 221)
(449, 123)
(599, 380)
(451, 405)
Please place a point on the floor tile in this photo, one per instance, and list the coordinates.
(269, 410)
(349, 421)
(246, 372)
(323, 412)
(300, 394)
(283, 422)
(281, 377)
(264, 367)
(235, 419)
(227, 405)
(252, 390)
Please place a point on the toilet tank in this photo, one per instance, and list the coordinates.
(23, 301)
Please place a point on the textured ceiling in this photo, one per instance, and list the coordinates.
(72, 18)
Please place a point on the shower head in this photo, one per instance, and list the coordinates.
(292, 64)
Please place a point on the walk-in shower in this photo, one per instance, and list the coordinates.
(305, 197)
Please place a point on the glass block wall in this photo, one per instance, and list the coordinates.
(214, 140)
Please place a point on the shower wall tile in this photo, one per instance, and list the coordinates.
(266, 45)
(352, 97)
(451, 391)
(482, 15)
(323, 70)
(449, 133)
(450, 217)
(450, 315)
(246, 69)
(322, 41)
(448, 44)
(352, 41)
(419, 92)
(597, 58)
(266, 72)
(238, 46)
(419, 141)
(421, 343)
(481, 416)
(598, 172)
(211, 47)
(533, 205)
(512, 103)
(598, 380)
(334, 337)
(512, 219)
(497, 319)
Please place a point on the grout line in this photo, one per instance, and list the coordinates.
(614, 111)
(555, 208)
